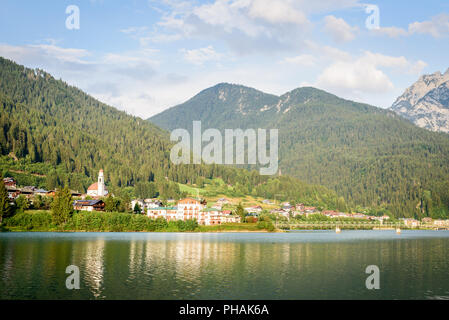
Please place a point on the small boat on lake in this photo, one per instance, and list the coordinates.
(337, 230)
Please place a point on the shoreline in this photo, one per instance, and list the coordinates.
(8, 230)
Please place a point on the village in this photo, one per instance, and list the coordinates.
(191, 208)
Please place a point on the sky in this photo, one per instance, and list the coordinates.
(144, 56)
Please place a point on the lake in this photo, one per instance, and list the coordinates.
(291, 265)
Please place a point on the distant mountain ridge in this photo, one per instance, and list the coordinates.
(370, 155)
(236, 105)
(426, 102)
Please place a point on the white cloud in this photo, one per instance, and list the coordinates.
(133, 30)
(437, 27)
(365, 74)
(304, 60)
(247, 26)
(339, 29)
(357, 76)
(202, 55)
(45, 51)
(327, 52)
(321, 6)
(276, 12)
(418, 67)
(392, 32)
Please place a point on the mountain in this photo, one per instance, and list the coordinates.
(214, 104)
(369, 155)
(426, 102)
(53, 134)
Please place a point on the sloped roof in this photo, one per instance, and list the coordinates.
(86, 202)
(93, 186)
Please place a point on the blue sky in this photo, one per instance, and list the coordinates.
(144, 56)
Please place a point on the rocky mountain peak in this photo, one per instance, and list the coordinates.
(426, 102)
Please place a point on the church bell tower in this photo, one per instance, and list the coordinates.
(101, 187)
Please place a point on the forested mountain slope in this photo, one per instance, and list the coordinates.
(369, 155)
(65, 136)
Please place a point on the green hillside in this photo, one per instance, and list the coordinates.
(53, 134)
(366, 154)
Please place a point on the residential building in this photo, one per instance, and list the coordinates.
(412, 223)
(152, 203)
(427, 220)
(441, 223)
(223, 201)
(230, 219)
(40, 192)
(88, 205)
(27, 191)
(168, 213)
(13, 192)
(297, 213)
(254, 210)
(10, 182)
(381, 219)
(361, 216)
(209, 217)
(189, 207)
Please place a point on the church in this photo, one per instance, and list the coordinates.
(98, 189)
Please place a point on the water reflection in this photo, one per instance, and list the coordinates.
(89, 257)
(224, 266)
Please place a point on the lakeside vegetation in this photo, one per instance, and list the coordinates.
(41, 220)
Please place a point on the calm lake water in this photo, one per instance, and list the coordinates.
(293, 265)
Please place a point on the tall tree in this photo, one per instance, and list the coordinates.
(111, 204)
(62, 206)
(22, 203)
(240, 211)
(5, 208)
(137, 208)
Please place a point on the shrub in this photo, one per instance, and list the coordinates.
(29, 221)
(268, 225)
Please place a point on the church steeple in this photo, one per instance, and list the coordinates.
(101, 187)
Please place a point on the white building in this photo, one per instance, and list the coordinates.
(98, 189)
(254, 210)
(152, 203)
(190, 208)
